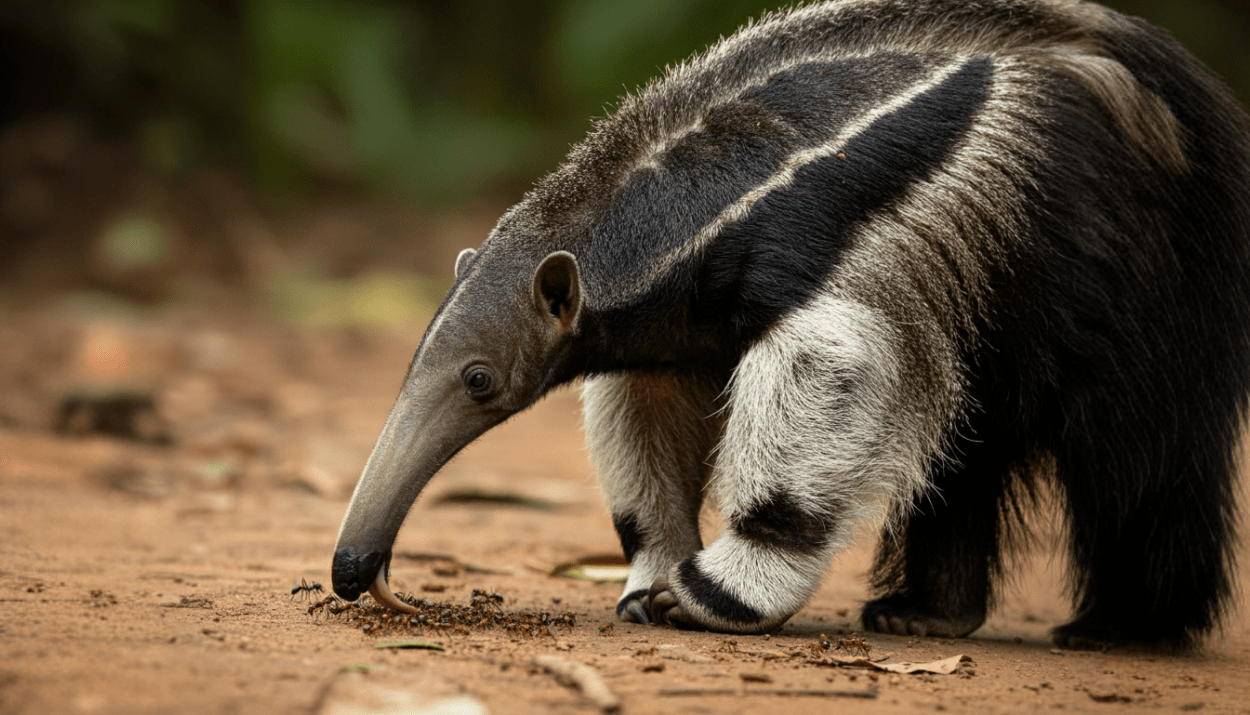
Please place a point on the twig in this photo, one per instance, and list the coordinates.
(583, 677)
(868, 694)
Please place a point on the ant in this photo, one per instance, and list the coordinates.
(333, 604)
(855, 646)
(306, 589)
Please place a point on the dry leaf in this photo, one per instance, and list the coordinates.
(419, 643)
(940, 667)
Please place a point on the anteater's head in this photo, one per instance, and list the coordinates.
(500, 340)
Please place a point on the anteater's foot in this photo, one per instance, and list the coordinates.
(904, 617)
(1086, 634)
(685, 600)
(1091, 630)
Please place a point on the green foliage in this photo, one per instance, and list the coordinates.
(370, 300)
(421, 100)
(329, 100)
(133, 241)
(606, 47)
(598, 42)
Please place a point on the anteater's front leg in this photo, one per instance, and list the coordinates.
(823, 429)
(650, 438)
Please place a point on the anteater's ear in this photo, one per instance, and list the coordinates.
(557, 290)
(463, 261)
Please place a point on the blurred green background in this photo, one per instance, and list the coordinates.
(325, 160)
(431, 101)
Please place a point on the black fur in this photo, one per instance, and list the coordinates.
(1111, 353)
(781, 523)
(629, 534)
(940, 578)
(709, 594)
(755, 276)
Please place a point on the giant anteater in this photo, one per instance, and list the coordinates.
(911, 258)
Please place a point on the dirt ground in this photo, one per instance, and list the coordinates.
(151, 570)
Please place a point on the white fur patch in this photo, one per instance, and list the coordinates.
(650, 437)
(820, 409)
(817, 410)
(647, 566)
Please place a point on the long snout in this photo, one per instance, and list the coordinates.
(401, 465)
(419, 437)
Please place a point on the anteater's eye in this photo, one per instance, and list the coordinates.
(477, 381)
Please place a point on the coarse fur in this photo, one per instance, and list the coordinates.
(917, 256)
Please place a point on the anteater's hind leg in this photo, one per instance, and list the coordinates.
(936, 567)
(650, 437)
(822, 425)
(1151, 537)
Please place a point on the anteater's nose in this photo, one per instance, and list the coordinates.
(353, 572)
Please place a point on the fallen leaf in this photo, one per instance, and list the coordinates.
(358, 668)
(420, 643)
(945, 666)
(604, 568)
(602, 574)
(478, 496)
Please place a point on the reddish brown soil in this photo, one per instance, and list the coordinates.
(156, 576)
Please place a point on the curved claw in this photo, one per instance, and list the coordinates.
(381, 593)
(635, 612)
(665, 607)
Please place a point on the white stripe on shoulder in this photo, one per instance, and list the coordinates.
(741, 208)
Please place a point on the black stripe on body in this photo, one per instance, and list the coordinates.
(739, 144)
(777, 257)
(586, 185)
(710, 595)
